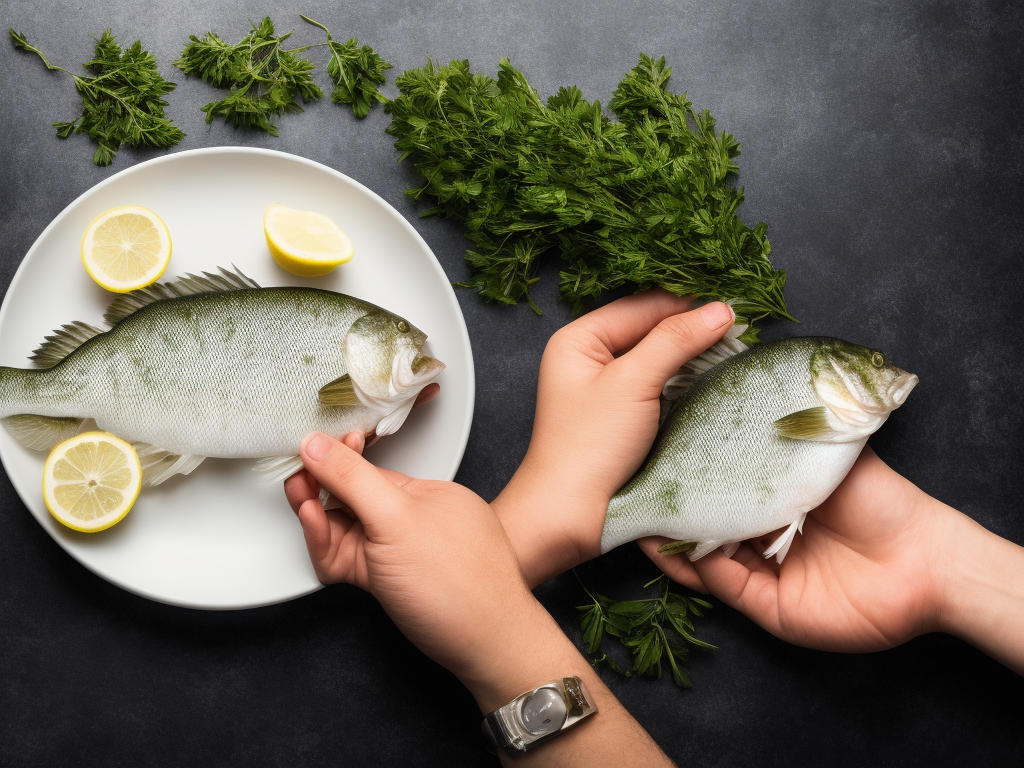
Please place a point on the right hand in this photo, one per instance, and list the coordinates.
(878, 563)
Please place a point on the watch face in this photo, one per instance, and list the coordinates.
(544, 712)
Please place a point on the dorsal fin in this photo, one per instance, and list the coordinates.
(62, 343)
(708, 359)
(190, 285)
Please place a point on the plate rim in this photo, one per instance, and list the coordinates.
(449, 294)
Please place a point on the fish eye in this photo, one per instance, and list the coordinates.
(878, 359)
(403, 326)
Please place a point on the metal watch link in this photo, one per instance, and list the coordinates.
(537, 715)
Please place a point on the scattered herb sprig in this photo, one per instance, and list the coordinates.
(122, 103)
(640, 201)
(356, 71)
(654, 630)
(265, 80)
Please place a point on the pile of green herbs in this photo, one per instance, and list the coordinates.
(643, 200)
(122, 103)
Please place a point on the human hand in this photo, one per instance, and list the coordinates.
(419, 546)
(598, 405)
(878, 563)
(436, 557)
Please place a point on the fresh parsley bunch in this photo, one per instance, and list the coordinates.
(122, 103)
(654, 630)
(643, 200)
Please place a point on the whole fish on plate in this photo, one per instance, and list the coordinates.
(215, 365)
(757, 438)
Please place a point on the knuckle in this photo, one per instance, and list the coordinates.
(679, 331)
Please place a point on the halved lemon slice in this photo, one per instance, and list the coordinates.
(126, 248)
(305, 242)
(91, 481)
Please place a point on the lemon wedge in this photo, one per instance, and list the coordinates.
(91, 481)
(305, 242)
(126, 248)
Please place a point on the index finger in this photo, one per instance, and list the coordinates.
(621, 325)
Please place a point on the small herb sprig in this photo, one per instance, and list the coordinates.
(356, 71)
(654, 630)
(264, 79)
(643, 200)
(122, 103)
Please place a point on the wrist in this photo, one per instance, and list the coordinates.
(532, 651)
(982, 590)
(554, 523)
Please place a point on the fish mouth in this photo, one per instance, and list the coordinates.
(901, 388)
(424, 365)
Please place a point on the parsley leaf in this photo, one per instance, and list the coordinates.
(264, 79)
(122, 103)
(655, 630)
(640, 201)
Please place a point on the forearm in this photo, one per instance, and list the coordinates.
(982, 590)
(553, 525)
(540, 653)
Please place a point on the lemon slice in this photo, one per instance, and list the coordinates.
(91, 481)
(305, 242)
(126, 248)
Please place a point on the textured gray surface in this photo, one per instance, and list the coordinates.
(882, 145)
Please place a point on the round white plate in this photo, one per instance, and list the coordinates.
(220, 538)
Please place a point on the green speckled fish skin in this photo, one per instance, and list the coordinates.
(231, 374)
(719, 471)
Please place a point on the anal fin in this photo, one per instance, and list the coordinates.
(159, 465)
(40, 433)
(781, 545)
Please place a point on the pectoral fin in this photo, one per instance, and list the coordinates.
(341, 391)
(40, 433)
(811, 424)
(277, 469)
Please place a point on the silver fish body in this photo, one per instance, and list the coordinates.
(756, 442)
(228, 373)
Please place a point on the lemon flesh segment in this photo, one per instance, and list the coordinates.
(90, 481)
(305, 242)
(126, 248)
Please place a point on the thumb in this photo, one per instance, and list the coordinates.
(350, 478)
(672, 342)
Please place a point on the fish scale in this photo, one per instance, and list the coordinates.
(720, 471)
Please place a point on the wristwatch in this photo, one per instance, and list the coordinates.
(537, 715)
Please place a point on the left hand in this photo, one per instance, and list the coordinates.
(601, 377)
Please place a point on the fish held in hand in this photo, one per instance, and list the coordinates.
(755, 439)
(215, 365)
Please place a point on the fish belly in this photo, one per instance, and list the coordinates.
(231, 375)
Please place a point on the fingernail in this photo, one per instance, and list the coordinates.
(318, 446)
(716, 314)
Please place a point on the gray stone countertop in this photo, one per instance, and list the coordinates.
(881, 144)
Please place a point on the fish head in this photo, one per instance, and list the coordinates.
(858, 386)
(384, 356)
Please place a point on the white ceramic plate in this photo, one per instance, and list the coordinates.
(219, 538)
